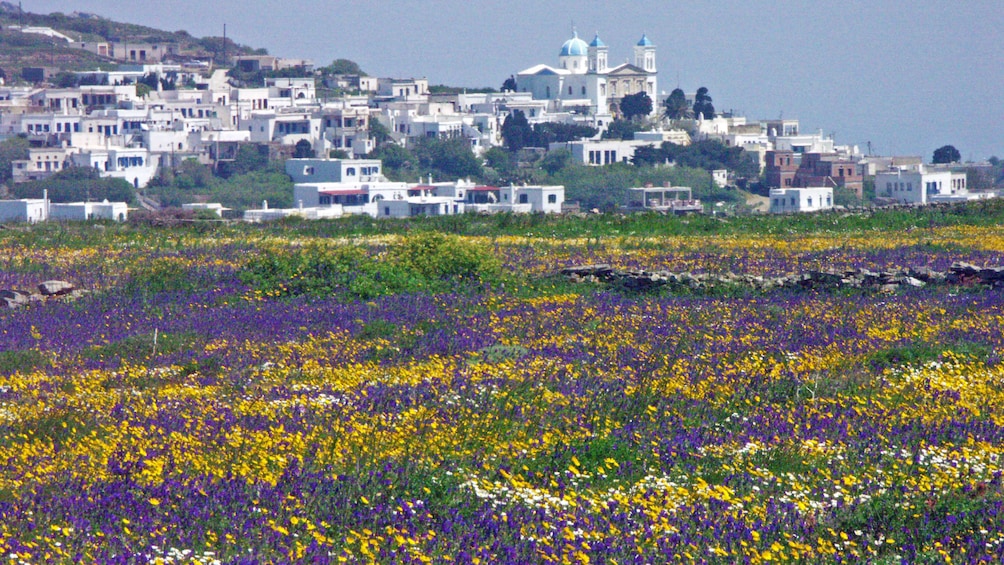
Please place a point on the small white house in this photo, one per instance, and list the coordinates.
(921, 186)
(31, 210)
(515, 199)
(334, 170)
(420, 206)
(720, 177)
(810, 199)
(83, 211)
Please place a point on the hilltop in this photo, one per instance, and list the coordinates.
(19, 49)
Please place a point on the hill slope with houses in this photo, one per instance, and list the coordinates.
(81, 41)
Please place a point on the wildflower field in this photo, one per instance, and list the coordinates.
(325, 394)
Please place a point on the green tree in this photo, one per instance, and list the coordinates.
(703, 105)
(845, 197)
(303, 150)
(946, 154)
(499, 159)
(250, 157)
(621, 129)
(65, 80)
(12, 149)
(193, 174)
(677, 107)
(649, 155)
(516, 131)
(547, 133)
(556, 160)
(379, 132)
(711, 154)
(636, 105)
(451, 158)
(398, 163)
(342, 67)
(75, 184)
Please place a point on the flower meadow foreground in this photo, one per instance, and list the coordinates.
(250, 397)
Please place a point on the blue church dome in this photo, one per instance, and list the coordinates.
(574, 47)
(597, 42)
(645, 41)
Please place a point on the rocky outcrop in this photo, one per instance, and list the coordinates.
(890, 280)
(47, 291)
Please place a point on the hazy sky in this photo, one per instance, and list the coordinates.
(909, 76)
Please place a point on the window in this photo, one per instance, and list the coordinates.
(792, 200)
(552, 198)
(810, 202)
(583, 91)
(523, 199)
(350, 172)
(570, 90)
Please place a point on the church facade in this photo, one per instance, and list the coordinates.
(584, 81)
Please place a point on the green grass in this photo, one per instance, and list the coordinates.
(21, 360)
(141, 347)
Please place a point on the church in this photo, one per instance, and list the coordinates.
(583, 80)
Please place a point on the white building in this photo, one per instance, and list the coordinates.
(790, 200)
(584, 79)
(135, 165)
(83, 211)
(921, 186)
(334, 170)
(31, 210)
(357, 186)
(601, 151)
(515, 199)
(402, 88)
(720, 177)
(299, 90)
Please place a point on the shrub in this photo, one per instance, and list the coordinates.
(435, 256)
(427, 262)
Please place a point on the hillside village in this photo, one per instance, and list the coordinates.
(156, 114)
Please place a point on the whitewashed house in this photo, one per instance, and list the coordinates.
(922, 185)
(31, 210)
(515, 199)
(134, 164)
(791, 200)
(83, 211)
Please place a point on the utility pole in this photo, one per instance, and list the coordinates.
(224, 43)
